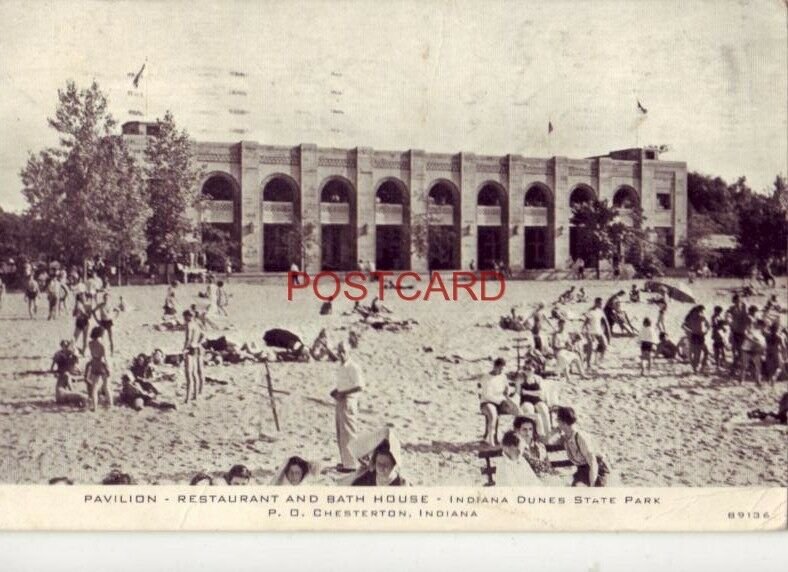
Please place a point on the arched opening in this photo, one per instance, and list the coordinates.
(392, 226)
(539, 225)
(626, 198)
(492, 224)
(220, 229)
(338, 226)
(282, 241)
(443, 230)
(579, 243)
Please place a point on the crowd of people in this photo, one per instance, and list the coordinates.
(741, 342)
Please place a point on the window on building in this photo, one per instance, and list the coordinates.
(663, 201)
(651, 155)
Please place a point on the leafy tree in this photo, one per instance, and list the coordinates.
(172, 179)
(603, 233)
(218, 247)
(86, 194)
(763, 228)
(302, 243)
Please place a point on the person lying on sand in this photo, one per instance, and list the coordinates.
(781, 415)
(60, 481)
(295, 471)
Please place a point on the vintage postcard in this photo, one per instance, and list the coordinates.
(519, 265)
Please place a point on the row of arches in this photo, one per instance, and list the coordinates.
(283, 235)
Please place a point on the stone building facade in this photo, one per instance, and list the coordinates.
(327, 208)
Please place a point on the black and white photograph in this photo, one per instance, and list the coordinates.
(394, 244)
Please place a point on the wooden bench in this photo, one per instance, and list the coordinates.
(489, 469)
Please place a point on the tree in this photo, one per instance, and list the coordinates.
(86, 195)
(218, 247)
(603, 233)
(301, 242)
(172, 178)
(762, 225)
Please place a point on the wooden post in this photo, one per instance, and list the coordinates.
(270, 387)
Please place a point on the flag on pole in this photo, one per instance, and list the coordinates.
(138, 77)
(642, 109)
(549, 127)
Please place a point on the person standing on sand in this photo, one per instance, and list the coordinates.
(599, 329)
(31, 295)
(2, 292)
(739, 321)
(103, 315)
(97, 370)
(349, 383)
(222, 299)
(191, 345)
(81, 321)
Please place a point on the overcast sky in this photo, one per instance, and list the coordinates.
(477, 76)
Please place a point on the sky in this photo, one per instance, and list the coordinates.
(444, 76)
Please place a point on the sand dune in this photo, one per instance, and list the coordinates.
(673, 428)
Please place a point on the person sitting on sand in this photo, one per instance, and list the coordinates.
(97, 371)
(327, 307)
(138, 393)
(534, 400)
(534, 450)
(294, 471)
(666, 348)
(634, 294)
(513, 470)
(116, 477)
(581, 296)
(320, 349)
(64, 363)
(566, 296)
(495, 399)
(170, 305)
(377, 307)
(781, 415)
(238, 476)
(384, 469)
(564, 352)
(592, 469)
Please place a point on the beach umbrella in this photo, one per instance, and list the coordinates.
(279, 338)
(681, 291)
(364, 445)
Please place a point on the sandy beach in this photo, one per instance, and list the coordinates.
(670, 429)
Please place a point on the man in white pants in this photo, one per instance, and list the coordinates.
(349, 385)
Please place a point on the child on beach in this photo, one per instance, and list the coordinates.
(97, 371)
(647, 339)
(634, 294)
(718, 325)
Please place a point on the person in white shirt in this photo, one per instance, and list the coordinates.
(495, 400)
(349, 384)
(648, 341)
(513, 470)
